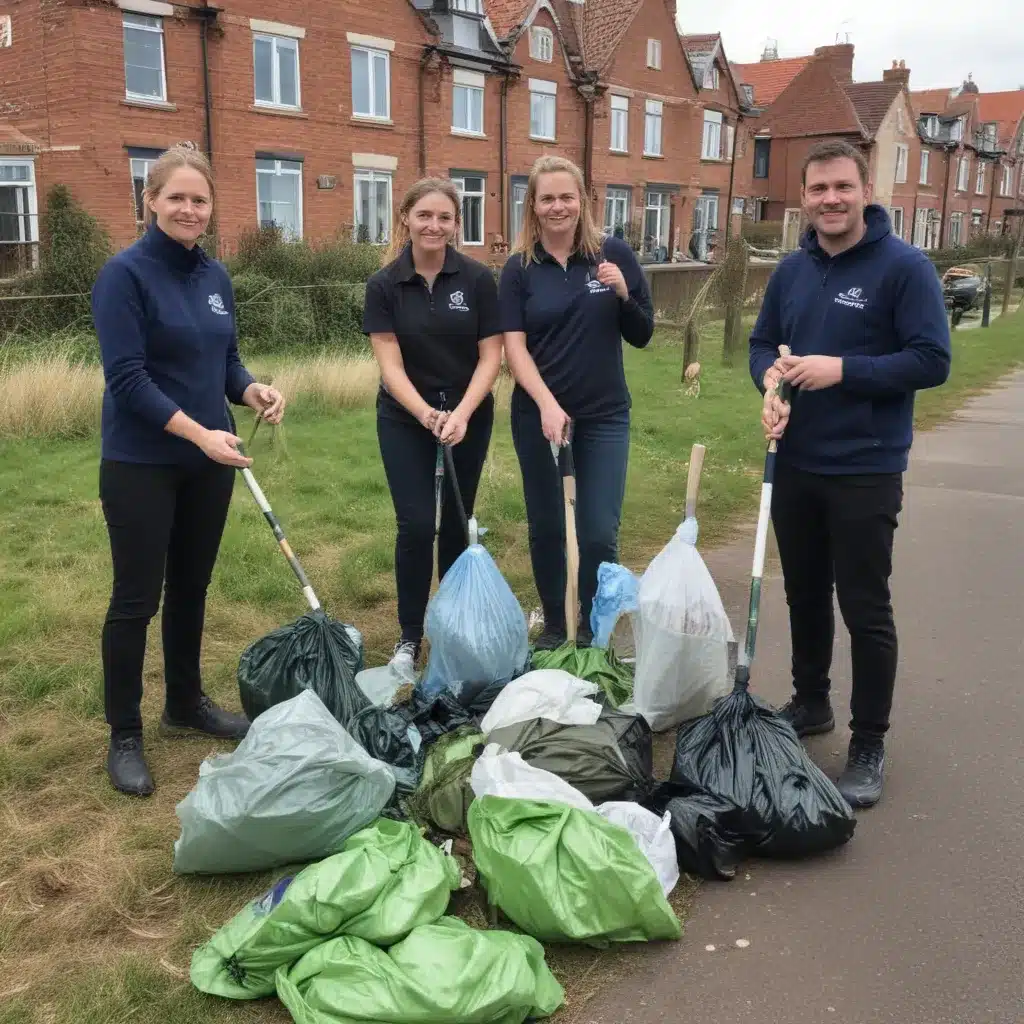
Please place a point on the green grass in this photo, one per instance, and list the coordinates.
(93, 926)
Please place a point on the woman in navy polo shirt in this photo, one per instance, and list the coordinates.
(432, 317)
(568, 297)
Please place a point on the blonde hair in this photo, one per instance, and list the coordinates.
(422, 188)
(164, 166)
(587, 239)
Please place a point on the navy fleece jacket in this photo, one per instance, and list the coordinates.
(879, 307)
(165, 316)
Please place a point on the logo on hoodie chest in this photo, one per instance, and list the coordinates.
(852, 297)
(217, 304)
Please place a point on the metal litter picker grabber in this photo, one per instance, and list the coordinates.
(315, 652)
(742, 783)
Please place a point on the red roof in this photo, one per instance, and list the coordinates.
(770, 77)
(1006, 109)
(930, 101)
(872, 101)
(815, 104)
(506, 15)
(700, 43)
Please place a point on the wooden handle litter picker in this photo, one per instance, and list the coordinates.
(746, 653)
(693, 479)
(567, 471)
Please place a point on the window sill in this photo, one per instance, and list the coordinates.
(372, 122)
(266, 108)
(653, 156)
(131, 101)
(464, 133)
(473, 245)
(618, 152)
(714, 160)
(541, 138)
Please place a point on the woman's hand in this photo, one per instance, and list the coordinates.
(554, 422)
(774, 415)
(454, 428)
(221, 446)
(433, 419)
(609, 274)
(267, 401)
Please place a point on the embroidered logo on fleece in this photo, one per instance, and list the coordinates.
(217, 304)
(853, 297)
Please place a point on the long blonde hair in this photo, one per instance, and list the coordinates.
(423, 187)
(162, 169)
(587, 239)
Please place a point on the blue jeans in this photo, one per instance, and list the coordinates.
(600, 450)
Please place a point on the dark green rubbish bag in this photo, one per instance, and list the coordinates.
(443, 973)
(444, 794)
(590, 758)
(386, 881)
(563, 874)
(593, 664)
(315, 653)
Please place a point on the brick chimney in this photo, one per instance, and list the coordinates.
(839, 58)
(897, 73)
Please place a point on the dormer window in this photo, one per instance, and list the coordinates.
(711, 77)
(542, 44)
(747, 91)
(468, 6)
(930, 124)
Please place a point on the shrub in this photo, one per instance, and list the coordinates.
(264, 251)
(763, 234)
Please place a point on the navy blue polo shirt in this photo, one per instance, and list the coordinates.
(439, 329)
(574, 325)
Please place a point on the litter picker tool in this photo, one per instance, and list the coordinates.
(469, 526)
(567, 471)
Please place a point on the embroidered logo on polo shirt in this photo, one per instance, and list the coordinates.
(458, 301)
(217, 304)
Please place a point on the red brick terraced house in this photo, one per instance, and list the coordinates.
(1006, 111)
(725, 161)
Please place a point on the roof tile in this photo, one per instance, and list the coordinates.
(814, 104)
(770, 77)
(1006, 109)
(872, 101)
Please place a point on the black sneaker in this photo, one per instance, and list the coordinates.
(207, 720)
(861, 780)
(127, 767)
(584, 636)
(550, 640)
(809, 718)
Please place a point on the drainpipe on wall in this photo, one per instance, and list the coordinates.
(945, 198)
(588, 91)
(732, 177)
(506, 220)
(207, 14)
(991, 198)
(428, 52)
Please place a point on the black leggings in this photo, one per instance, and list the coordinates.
(165, 525)
(409, 453)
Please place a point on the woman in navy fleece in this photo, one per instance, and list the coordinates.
(165, 316)
(567, 299)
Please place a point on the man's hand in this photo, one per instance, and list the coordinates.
(774, 416)
(811, 373)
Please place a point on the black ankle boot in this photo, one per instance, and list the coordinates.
(861, 780)
(809, 718)
(550, 640)
(206, 719)
(127, 767)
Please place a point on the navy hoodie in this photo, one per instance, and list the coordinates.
(879, 307)
(165, 316)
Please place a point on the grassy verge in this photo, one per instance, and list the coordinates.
(93, 926)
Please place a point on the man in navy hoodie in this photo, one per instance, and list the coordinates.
(863, 315)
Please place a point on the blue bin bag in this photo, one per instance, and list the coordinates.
(617, 595)
(476, 628)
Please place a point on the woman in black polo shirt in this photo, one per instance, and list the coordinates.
(432, 316)
(568, 298)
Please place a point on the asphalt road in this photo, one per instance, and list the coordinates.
(920, 919)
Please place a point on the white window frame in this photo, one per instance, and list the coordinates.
(654, 54)
(705, 209)
(281, 171)
(711, 142)
(664, 218)
(958, 220)
(902, 160)
(517, 208)
(963, 174)
(6, 32)
(926, 157)
(979, 178)
(654, 111)
(145, 23)
(542, 44)
(142, 163)
(32, 213)
(896, 229)
(615, 199)
(956, 129)
(543, 98)
(372, 53)
(481, 195)
(276, 44)
(372, 175)
(467, 6)
(1006, 185)
(618, 124)
(473, 84)
(712, 79)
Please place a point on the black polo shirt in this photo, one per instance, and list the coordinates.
(439, 329)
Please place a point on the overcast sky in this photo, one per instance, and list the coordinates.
(942, 41)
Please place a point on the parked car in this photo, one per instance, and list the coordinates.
(963, 288)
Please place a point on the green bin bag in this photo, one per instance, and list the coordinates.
(386, 881)
(444, 794)
(593, 664)
(443, 973)
(567, 875)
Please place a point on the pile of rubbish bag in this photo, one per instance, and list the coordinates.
(366, 790)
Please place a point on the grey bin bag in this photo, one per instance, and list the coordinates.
(292, 792)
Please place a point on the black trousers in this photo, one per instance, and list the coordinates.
(838, 531)
(165, 525)
(409, 453)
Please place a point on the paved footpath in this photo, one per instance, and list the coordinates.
(920, 919)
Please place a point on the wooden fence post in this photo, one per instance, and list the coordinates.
(1011, 270)
(732, 286)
